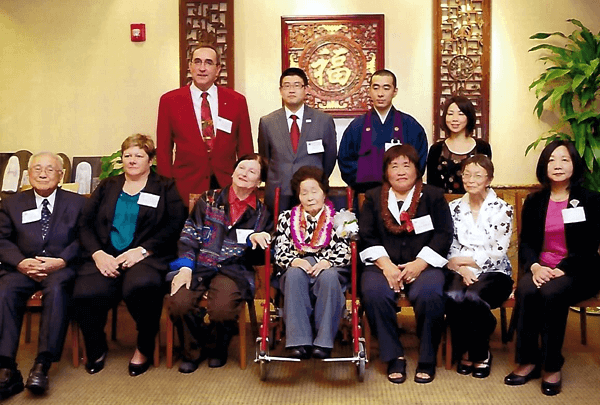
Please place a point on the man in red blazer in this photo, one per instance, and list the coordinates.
(207, 144)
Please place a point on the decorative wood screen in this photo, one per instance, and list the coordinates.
(206, 21)
(462, 58)
(339, 54)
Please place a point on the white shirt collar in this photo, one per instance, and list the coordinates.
(383, 117)
(51, 198)
(197, 93)
(393, 203)
(299, 113)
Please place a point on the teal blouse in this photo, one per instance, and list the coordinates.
(123, 226)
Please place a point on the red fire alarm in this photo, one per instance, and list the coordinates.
(138, 32)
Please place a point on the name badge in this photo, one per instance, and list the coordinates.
(422, 224)
(242, 235)
(149, 200)
(391, 143)
(571, 215)
(224, 124)
(315, 146)
(31, 216)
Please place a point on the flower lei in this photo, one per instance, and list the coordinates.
(322, 234)
(406, 224)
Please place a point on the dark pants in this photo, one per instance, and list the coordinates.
(468, 310)
(141, 287)
(15, 290)
(426, 295)
(224, 302)
(543, 312)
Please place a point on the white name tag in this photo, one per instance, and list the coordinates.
(422, 224)
(571, 215)
(149, 200)
(242, 235)
(315, 146)
(224, 124)
(31, 216)
(391, 143)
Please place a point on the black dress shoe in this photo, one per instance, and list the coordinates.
(483, 371)
(189, 366)
(549, 388)
(96, 366)
(298, 352)
(37, 382)
(11, 382)
(137, 369)
(515, 379)
(321, 352)
(464, 369)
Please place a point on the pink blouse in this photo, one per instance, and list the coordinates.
(555, 244)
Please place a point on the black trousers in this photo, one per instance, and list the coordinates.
(15, 290)
(426, 294)
(468, 311)
(542, 312)
(142, 289)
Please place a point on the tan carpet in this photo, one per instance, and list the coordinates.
(310, 382)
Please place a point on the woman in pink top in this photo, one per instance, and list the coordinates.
(558, 250)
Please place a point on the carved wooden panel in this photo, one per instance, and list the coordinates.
(206, 21)
(462, 58)
(339, 54)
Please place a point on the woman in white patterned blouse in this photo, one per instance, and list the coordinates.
(312, 260)
(481, 277)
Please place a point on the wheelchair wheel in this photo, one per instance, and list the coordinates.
(263, 370)
(362, 362)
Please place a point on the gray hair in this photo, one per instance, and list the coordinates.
(57, 158)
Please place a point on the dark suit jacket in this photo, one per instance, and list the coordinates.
(157, 229)
(20, 241)
(405, 247)
(583, 238)
(177, 125)
(275, 145)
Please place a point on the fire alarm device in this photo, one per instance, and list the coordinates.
(138, 32)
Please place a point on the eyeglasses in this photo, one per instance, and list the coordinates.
(288, 86)
(476, 177)
(48, 170)
(200, 62)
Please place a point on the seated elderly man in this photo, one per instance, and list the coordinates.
(39, 245)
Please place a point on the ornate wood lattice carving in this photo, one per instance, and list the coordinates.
(338, 54)
(462, 58)
(206, 21)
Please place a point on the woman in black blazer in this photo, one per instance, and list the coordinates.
(129, 232)
(558, 250)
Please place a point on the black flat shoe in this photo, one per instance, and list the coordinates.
(11, 382)
(397, 366)
(138, 369)
(464, 369)
(37, 382)
(298, 352)
(321, 352)
(189, 366)
(484, 370)
(515, 379)
(551, 389)
(94, 367)
(218, 358)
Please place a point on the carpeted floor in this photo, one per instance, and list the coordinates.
(310, 382)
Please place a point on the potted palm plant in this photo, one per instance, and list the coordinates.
(570, 86)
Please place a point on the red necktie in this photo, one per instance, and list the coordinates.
(295, 133)
(208, 129)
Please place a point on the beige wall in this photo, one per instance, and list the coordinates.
(71, 80)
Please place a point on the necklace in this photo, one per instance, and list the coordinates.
(406, 217)
(322, 233)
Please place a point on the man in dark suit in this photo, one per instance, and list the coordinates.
(294, 136)
(209, 126)
(39, 247)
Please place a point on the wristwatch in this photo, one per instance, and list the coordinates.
(144, 252)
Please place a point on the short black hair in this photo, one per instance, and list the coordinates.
(264, 166)
(541, 170)
(383, 72)
(401, 150)
(467, 108)
(306, 173)
(294, 71)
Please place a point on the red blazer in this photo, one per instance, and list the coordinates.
(177, 125)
